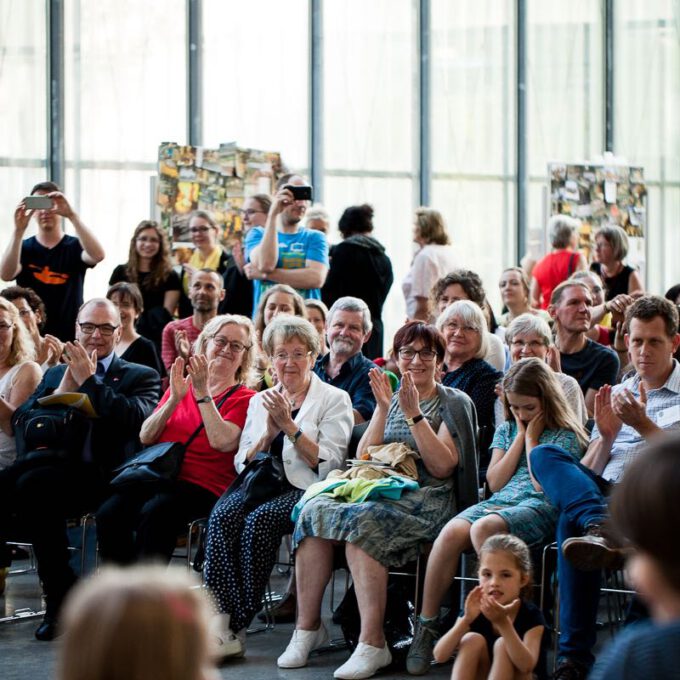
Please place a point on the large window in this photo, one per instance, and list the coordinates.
(256, 74)
(565, 91)
(473, 131)
(647, 94)
(125, 86)
(23, 93)
(370, 81)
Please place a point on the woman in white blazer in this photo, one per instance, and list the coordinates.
(308, 424)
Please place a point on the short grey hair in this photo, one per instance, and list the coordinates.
(616, 237)
(562, 227)
(352, 304)
(317, 212)
(471, 315)
(283, 328)
(529, 323)
(213, 327)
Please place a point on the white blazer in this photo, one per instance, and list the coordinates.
(325, 416)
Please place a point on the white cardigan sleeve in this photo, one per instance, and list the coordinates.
(335, 430)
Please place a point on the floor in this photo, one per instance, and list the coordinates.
(22, 657)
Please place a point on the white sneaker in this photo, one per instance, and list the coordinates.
(301, 644)
(365, 662)
(224, 643)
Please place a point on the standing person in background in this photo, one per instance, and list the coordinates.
(611, 248)
(238, 288)
(317, 218)
(149, 266)
(52, 263)
(132, 346)
(208, 254)
(558, 265)
(360, 268)
(430, 263)
(284, 252)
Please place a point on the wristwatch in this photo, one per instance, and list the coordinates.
(412, 421)
(204, 400)
(292, 438)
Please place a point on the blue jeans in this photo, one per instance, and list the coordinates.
(576, 492)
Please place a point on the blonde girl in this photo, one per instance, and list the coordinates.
(536, 412)
(146, 622)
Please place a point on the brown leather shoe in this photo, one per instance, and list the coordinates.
(593, 551)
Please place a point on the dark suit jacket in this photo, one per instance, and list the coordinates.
(123, 401)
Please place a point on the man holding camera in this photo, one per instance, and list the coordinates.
(65, 473)
(285, 252)
(51, 263)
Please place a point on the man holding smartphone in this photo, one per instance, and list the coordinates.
(51, 263)
(282, 251)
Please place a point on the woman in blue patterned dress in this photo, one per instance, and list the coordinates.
(439, 423)
(536, 412)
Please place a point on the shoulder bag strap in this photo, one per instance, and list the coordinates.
(570, 269)
(219, 406)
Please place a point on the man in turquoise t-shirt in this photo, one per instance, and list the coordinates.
(287, 254)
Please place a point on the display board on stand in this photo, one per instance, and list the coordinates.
(216, 180)
(608, 192)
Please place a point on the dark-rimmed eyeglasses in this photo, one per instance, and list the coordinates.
(106, 329)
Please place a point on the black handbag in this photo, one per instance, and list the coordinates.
(159, 463)
(261, 480)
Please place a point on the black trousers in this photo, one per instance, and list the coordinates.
(143, 523)
(41, 498)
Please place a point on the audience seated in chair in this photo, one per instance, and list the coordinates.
(435, 421)
(627, 417)
(205, 294)
(591, 364)
(536, 412)
(45, 492)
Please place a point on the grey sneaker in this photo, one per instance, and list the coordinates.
(420, 655)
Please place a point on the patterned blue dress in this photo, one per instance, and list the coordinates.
(390, 531)
(527, 512)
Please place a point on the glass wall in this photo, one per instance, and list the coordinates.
(565, 92)
(647, 110)
(255, 76)
(369, 95)
(126, 91)
(125, 83)
(23, 112)
(473, 130)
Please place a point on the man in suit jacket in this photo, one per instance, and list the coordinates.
(44, 495)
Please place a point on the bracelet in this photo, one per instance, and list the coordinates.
(204, 400)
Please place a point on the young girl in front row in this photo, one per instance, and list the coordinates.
(499, 635)
(536, 412)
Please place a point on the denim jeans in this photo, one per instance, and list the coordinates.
(576, 492)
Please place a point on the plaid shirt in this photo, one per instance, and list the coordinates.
(663, 408)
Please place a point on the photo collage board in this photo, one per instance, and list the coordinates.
(216, 180)
(599, 195)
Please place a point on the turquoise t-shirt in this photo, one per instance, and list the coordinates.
(294, 250)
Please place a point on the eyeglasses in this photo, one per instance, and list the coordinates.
(251, 211)
(409, 354)
(197, 230)
(533, 344)
(235, 346)
(295, 356)
(4, 327)
(147, 239)
(453, 327)
(106, 329)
